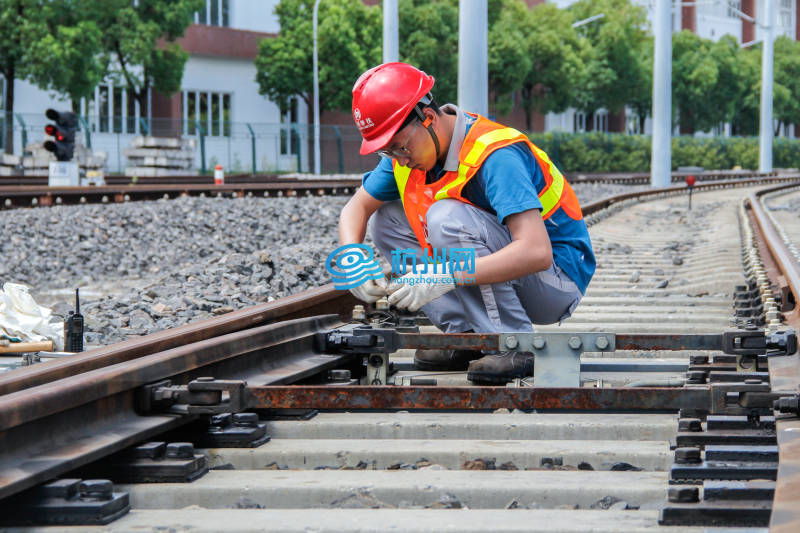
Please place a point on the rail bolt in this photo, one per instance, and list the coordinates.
(601, 342)
(248, 420)
(698, 359)
(696, 377)
(382, 304)
(685, 456)
(683, 494)
(180, 450)
(575, 342)
(511, 342)
(100, 489)
(690, 424)
(539, 342)
(359, 313)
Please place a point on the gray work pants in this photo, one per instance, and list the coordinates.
(543, 297)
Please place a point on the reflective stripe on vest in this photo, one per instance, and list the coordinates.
(483, 138)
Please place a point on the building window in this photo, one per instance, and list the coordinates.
(579, 122)
(785, 14)
(206, 112)
(214, 13)
(601, 121)
(734, 8)
(112, 110)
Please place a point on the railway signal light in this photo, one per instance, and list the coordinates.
(62, 132)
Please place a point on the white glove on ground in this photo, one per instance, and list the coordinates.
(412, 291)
(371, 290)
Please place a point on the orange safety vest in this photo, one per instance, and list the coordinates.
(483, 138)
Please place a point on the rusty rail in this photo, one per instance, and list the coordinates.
(56, 427)
(784, 372)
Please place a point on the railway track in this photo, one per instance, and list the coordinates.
(646, 410)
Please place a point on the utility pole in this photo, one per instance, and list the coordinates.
(317, 156)
(473, 56)
(661, 158)
(391, 32)
(765, 125)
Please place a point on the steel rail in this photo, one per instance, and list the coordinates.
(44, 196)
(784, 374)
(53, 428)
(318, 301)
(60, 415)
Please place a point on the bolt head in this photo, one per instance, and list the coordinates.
(601, 342)
(539, 342)
(575, 342)
(511, 342)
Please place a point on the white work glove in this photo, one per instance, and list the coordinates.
(412, 291)
(371, 290)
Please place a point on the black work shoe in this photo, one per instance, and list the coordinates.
(444, 359)
(501, 368)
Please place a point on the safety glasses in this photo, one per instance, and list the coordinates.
(403, 151)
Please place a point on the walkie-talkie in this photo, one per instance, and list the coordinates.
(73, 328)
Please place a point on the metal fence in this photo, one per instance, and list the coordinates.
(240, 147)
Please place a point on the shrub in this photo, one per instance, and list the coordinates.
(616, 152)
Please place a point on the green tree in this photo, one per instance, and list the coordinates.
(642, 96)
(510, 62)
(744, 120)
(786, 89)
(706, 86)
(429, 41)
(19, 27)
(558, 70)
(139, 38)
(616, 69)
(347, 46)
(68, 58)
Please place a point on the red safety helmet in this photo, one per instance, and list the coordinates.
(382, 99)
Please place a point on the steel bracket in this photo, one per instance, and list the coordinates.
(743, 399)
(203, 396)
(557, 356)
(152, 462)
(240, 430)
(750, 342)
(67, 502)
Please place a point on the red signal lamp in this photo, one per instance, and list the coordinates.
(690, 181)
(51, 130)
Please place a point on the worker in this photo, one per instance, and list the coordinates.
(450, 179)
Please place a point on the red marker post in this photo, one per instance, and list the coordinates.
(690, 185)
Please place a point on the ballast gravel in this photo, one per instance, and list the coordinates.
(147, 266)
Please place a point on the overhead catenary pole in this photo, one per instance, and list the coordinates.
(391, 32)
(661, 157)
(317, 163)
(473, 56)
(765, 124)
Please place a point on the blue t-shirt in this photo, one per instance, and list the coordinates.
(507, 183)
